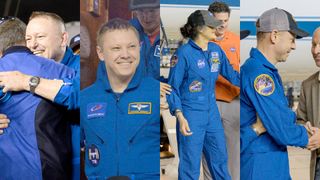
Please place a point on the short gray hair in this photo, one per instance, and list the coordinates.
(12, 31)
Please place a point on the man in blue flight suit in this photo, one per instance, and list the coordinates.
(120, 111)
(147, 23)
(37, 144)
(46, 36)
(262, 98)
(194, 70)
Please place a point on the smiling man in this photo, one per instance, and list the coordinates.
(262, 96)
(120, 111)
(308, 108)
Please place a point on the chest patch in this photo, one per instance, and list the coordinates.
(93, 155)
(264, 85)
(174, 60)
(215, 61)
(157, 51)
(195, 86)
(139, 108)
(95, 110)
(233, 49)
(201, 63)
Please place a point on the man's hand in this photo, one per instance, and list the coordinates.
(258, 126)
(4, 122)
(14, 81)
(184, 125)
(314, 140)
(309, 128)
(164, 89)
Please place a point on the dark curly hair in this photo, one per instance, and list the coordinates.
(191, 28)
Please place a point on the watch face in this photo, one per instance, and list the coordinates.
(34, 81)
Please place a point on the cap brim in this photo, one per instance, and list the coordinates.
(299, 33)
(214, 24)
(136, 5)
(244, 34)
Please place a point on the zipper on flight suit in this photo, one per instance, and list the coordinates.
(117, 131)
(206, 56)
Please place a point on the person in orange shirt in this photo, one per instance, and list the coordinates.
(227, 95)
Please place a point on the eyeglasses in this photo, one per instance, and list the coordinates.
(6, 18)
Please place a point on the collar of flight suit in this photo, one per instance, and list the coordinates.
(67, 56)
(193, 44)
(14, 49)
(135, 81)
(256, 54)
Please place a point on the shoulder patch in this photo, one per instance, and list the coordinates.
(140, 108)
(174, 60)
(264, 85)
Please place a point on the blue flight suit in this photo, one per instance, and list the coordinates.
(121, 131)
(149, 53)
(192, 77)
(262, 94)
(69, 96)
(36, 145)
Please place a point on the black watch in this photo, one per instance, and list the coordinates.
(33, 83)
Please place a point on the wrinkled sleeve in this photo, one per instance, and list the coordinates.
(227, 70)
(68, 94)
(247, 134)
(302, 109)
(278, 119)
(176, 76)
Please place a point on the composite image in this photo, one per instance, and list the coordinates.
(159, 90)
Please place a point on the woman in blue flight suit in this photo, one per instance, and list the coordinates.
(194, 69)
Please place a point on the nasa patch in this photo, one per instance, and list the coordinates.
(201, 63)
(195, 86)
(139, 108)
(233, 49)
(174, 60)
(157, 51)
(93, 155)
(264, 85)
(95, 110)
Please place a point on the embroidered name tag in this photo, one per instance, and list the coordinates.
(139, 108)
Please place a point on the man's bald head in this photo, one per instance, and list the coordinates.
(315, 48)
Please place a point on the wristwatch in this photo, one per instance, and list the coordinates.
(33, 83)
(176, 112)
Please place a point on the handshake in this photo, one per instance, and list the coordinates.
(313, 133)
(314, 136)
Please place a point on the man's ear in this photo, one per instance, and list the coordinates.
(100, 52)
(274, 36)
(65, 37)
